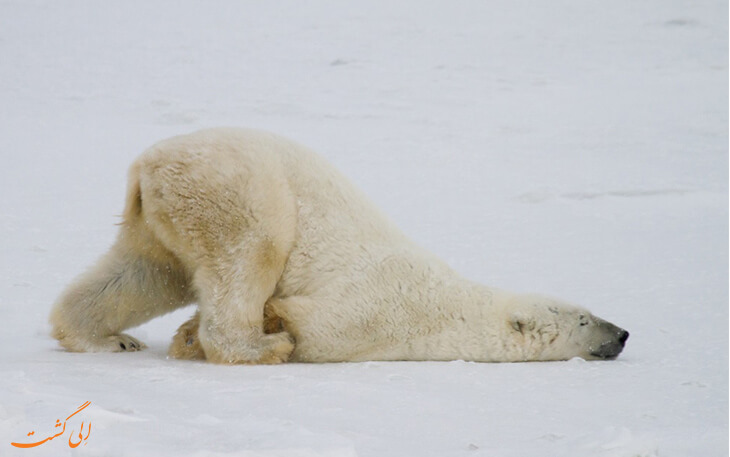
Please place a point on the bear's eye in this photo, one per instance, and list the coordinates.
(583, 323)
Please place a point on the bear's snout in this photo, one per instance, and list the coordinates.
(613, 342)
(624, 335)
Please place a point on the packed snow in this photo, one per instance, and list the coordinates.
(573, 148)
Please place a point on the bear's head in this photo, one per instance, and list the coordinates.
(544, 329)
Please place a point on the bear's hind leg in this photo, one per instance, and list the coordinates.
(186, 344)
(231, 218)
(123, 290)
(231, 304)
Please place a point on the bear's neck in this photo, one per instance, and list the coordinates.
(465, 320)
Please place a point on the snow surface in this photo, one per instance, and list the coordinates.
(574, 148)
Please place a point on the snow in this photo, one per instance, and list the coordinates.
(574, 148)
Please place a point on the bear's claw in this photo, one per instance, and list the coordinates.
(124, 343)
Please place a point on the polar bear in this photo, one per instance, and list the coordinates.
(288, 261)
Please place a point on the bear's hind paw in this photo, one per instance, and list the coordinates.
(263, 349)
(123, 343)
(113, 343)
(279, 347)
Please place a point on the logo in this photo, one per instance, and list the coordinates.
(72, 439)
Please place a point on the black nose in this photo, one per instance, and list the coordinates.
(623, 336)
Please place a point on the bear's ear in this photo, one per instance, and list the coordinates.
(521, 323)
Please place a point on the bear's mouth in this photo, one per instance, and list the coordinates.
(605, 356)
(609, 350)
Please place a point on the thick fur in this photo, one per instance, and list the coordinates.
(288, 261)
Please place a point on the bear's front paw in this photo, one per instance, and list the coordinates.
(185, 344)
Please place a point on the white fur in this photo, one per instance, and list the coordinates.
(240, 220)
